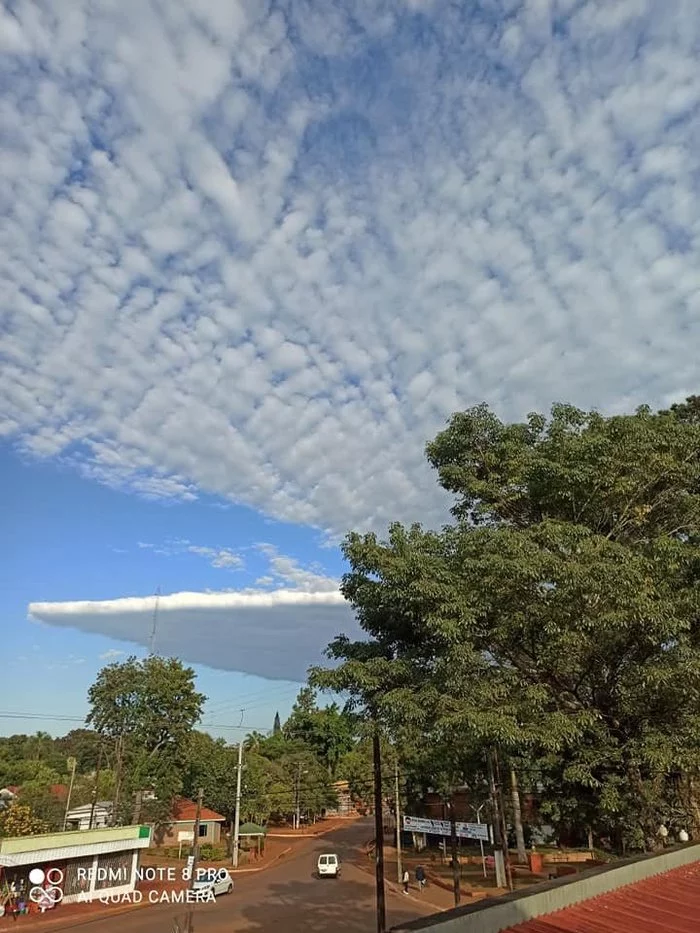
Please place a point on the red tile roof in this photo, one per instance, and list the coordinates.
(666, 903)
(185, 810)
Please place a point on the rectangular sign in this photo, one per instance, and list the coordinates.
(416, 824)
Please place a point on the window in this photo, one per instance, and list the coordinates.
(117, 870)
(77, 879)
(203, 828)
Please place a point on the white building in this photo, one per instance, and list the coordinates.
(82, 864)
(79, 817)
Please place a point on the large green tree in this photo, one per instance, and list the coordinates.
(147, 708)
(557, 616)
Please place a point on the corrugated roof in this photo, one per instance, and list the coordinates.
(666, 903)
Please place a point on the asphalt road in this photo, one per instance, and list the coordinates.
(286, 897)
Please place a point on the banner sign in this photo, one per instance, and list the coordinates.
(416, 824)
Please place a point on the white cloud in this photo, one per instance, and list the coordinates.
(221, 558)
(268, 264)
(276, 634)
(285, 569)
(111, 654)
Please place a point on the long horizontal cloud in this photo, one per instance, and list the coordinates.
(276, 635)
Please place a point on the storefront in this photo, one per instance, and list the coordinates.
(38, 873)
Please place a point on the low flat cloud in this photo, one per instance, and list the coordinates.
(276, 635)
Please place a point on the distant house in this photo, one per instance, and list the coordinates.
(79, 817)
(345, 805)
(180, 827)
(13, 792)
(7, 796)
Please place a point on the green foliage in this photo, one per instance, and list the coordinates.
(556, 620)
(19, 820)
(152, 705)
(211, 853)
(328, 732)
(84, 746)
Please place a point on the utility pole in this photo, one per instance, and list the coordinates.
(379, 830)
(95, 789)
(237, 817)
(518, 818)
(503, 827)
(496, 823)
(454, 853)
(195, 858)
(72, 764)
(399, 865)
(114, 815)
(297, 809)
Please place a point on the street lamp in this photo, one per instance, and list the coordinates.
(481, 841)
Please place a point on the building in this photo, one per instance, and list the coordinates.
(659, 892)
(79, 817)
(180, 827)
(94, 862)
(8, 795)
(345, 805)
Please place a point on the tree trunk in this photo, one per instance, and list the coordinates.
(518, 819)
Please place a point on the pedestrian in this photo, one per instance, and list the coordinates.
(406, 881)
(420, 877)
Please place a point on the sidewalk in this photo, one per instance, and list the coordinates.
(438, 892)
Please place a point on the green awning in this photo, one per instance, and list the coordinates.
(251, 829)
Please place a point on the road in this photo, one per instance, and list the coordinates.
(287, 898)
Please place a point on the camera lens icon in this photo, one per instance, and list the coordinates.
(48, 895)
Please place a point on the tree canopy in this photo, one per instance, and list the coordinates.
(555, 617)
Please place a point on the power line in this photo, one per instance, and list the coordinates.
(53, 718)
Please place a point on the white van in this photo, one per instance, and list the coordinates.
(328, 866)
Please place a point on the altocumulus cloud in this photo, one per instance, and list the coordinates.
(264, 250)
(275, 635)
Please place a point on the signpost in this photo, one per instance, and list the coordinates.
(415, 824)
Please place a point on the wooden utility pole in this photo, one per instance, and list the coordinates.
(237, 817)
(114, 816)
(399, 865)
(72, 764)
(379, 831)
(195, 859)
(95, 789)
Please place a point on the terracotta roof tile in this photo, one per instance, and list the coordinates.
(667, 903)
(186, 810)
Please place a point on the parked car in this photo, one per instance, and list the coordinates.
(219, 883)
(328, 866)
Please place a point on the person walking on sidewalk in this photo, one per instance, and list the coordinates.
(406, 881)
(420, 877)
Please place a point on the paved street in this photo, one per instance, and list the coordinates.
(286, 898)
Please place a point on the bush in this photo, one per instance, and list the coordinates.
(211, 853)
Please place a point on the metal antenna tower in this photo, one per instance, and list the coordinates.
(154, 627)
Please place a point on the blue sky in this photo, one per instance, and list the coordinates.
(253, 254)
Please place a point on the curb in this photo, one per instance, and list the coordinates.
(251, 871)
